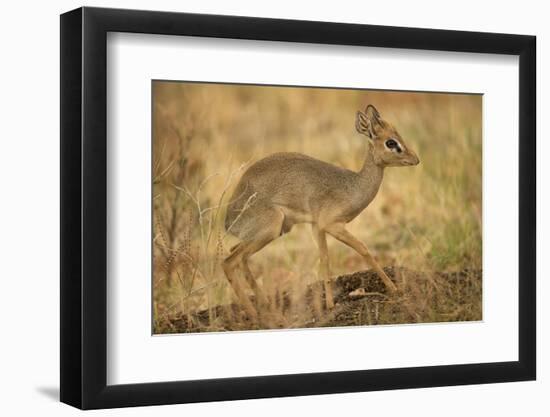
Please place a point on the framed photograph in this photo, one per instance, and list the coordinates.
(257, 208)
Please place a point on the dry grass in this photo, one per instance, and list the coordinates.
(426, 218)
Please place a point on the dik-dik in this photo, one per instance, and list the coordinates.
(284, 189)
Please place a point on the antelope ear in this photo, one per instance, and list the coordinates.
(365, 122)
(361, 123)
(372, 114)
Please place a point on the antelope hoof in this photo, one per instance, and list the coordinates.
(251, 313)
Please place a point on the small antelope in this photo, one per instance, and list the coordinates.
(284, 189)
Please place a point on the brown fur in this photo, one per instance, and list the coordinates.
(284, 189)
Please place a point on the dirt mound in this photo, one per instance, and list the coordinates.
(361, 299)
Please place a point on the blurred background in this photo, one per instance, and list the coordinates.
(425, 219)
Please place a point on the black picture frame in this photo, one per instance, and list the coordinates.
(84, 207)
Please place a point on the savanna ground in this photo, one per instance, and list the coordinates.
(424, 226)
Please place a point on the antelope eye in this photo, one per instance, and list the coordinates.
(390, 143)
